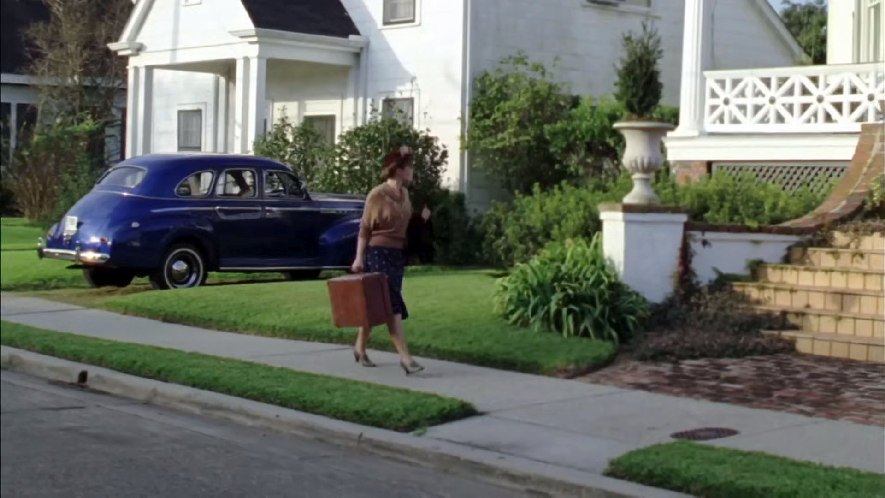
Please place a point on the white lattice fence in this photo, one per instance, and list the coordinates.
(811, 99)
(818, 176)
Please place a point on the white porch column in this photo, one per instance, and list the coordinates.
(250, 115)
(696, 58)
(241, 103)
(132, 91)
(257, 100)
(142, 101)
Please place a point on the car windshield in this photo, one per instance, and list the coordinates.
(123, 176)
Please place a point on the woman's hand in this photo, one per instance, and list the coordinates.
(357, 266)
(425, 213)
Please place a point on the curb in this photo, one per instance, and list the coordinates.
(504, 470)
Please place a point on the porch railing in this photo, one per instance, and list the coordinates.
(809, 99)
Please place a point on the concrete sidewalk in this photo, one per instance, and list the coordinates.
(570, 424)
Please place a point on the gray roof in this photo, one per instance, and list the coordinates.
(314, 17)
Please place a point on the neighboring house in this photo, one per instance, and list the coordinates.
(214, 75)
(790, 123)
(18, 96)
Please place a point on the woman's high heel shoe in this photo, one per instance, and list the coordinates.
(362, 359)
(412, 368)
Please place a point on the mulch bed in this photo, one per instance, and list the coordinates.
(807, 385)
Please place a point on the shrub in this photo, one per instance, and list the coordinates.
(302, 148)
(456, 236)
(874, 204)
(739, 199)
(513, 232)
(54, 169)
(509, 112)
(711, 323)
(360, 151)
(585, 140)
(638, 86)
(571, 289)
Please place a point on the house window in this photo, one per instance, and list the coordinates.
(324, 125)
(25, 119)
(399, 11)
(645, 4)
(5, 134)
(400, 109)
(190, 130)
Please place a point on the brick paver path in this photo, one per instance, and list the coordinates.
(807, 385)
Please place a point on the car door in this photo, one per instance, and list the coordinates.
(238, 215)
(292, 219)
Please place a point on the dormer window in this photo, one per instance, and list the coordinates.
(399, 11)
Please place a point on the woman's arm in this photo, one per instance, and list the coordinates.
(358, 261)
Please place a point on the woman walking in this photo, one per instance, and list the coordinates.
(380, 249)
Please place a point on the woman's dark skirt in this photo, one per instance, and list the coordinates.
(391, 262)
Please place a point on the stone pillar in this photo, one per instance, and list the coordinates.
(696, 58)
(643, 243)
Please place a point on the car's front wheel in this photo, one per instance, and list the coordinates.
(183, 266)
(107, 277)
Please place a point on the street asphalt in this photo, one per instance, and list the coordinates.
(63, 441)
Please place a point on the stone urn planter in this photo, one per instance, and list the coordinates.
(642, 157)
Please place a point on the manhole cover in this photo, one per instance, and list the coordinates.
(704, 434)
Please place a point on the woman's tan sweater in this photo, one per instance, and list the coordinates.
(386, 217)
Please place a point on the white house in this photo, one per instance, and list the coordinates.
(789, 122)
(213, 75)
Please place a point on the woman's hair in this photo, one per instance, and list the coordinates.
(396, 160)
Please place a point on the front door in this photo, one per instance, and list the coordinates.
(238, 217)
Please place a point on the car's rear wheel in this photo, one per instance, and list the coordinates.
(107, 277)
(183, 266)
(302, 274)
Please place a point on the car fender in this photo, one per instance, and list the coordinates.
(338, 242)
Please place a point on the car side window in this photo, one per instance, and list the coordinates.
(236, 183)
(196, 185)
(280, 184)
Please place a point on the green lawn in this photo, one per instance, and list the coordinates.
(24, 271)
(451, 319)
(18, 234)
(713, 472)
(343, 399)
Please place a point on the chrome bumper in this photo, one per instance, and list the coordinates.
(77, 256)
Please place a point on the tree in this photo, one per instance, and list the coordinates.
(639, 85)
(808, 24)
(510, 111)
(78, 77)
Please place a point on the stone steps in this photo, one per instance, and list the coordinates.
(866, 302)
(833, 296)
(844, 240)
(839, 258)
(834, 345)
(811, 276)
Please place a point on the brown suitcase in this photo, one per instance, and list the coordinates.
(360, 300)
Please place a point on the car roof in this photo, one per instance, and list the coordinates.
(164, 171)
(194, 162)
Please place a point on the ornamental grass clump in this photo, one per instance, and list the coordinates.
(570, 288)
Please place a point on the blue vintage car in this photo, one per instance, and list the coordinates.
(174, 218)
